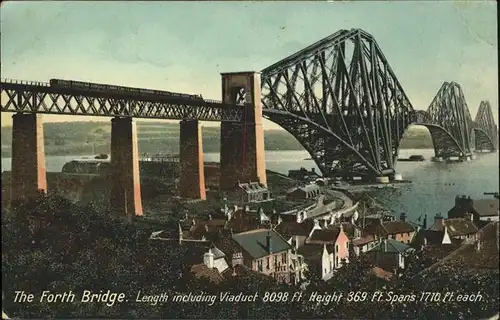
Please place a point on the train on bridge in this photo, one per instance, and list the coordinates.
(70, 84)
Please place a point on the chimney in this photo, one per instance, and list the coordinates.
(269, 244)
(313, 170)
(209, 217)
(438, 218)
(235, 208)
(279, 220)
(402, 217)
(357, 233)
(299, 217)
(469, 203)
(208, 259)
(247, 208)
(325, 224)
(424, 225)
(479, 245)
(385, 245)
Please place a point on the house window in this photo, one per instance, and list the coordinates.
(275, 261)
(283, 257)
(336, 248)
(267, 263)
(259, 265)
(347, 245)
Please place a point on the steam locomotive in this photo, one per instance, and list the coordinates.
(118, 89)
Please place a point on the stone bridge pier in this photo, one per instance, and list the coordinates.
(28, 179)
(192, 168)
(126, 189)
(28, 157)
(242, 156)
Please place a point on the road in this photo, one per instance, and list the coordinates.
(321, 209)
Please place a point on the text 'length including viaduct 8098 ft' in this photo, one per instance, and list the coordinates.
(339, 97)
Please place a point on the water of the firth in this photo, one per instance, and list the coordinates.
(433, 188)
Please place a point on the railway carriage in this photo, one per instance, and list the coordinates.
(70, 84)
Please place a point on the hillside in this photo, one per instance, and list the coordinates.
(79, 138)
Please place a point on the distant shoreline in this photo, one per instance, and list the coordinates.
(56, 153)
(83, 138)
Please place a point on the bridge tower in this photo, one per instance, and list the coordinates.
(126, 185)
(242, 144)
(28, 178)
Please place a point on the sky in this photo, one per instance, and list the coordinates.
(184, 46)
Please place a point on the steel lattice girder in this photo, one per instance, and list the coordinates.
(344, 85)
(449, 110)
(482, 141)
(485, 128)
(314, 140)
(16, 97)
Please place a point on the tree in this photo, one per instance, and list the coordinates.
(51, 244)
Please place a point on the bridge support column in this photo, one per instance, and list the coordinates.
(242, 155)
(192, 173)
(465, 158)
(28, 178)
(397, 177)
(126, 189)
(382, 179)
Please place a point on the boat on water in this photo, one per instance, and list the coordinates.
(414, 158)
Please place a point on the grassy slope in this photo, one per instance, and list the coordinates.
(80, 138)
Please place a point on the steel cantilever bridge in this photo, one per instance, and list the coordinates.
(338, 97)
